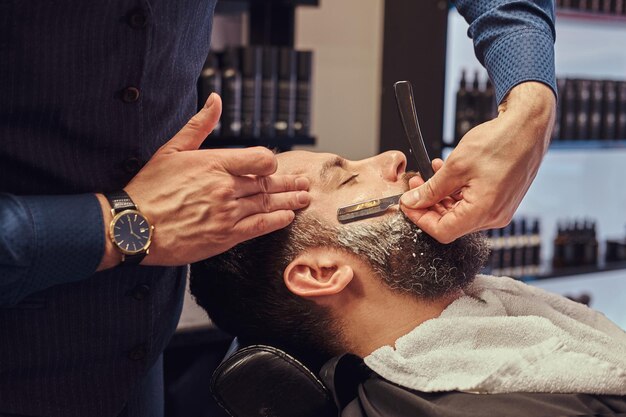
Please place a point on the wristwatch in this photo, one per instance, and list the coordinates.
(130, 231)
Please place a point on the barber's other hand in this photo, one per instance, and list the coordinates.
(203, 202)
(489, 172)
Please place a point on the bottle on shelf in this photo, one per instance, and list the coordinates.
(583, 108)
(568, 119)
(575, 244)
(269, 91)
(251, 73)
(461, 124)
(286, 105)
(595, 118)
(488, 108)
(472, 111)
(302, 124)
(231, 93)
(609, 110)
(606, 7)
(620, 123)
(615, 250)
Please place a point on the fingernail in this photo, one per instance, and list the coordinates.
(302, 183)
(210, 100)
(303, 198)
(410, 198)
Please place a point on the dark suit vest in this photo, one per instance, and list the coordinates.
(89, 90)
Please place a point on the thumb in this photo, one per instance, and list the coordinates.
(439, 186)
(191, 136)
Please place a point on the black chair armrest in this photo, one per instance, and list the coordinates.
(263, 381)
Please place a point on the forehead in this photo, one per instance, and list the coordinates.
(301, 162)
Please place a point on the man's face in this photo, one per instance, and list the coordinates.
(395, 249)
(338, 182)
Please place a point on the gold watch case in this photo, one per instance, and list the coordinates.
(116, 218)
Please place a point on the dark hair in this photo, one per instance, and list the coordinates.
(243, 292)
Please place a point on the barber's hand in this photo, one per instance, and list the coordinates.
(203, 202)
(485, 177)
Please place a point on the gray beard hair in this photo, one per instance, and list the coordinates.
(405, 258)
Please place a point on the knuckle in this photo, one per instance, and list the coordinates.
(456, 165)
(224, 193)
(430, 191)
(194, 124)
(259, 226)
(264, 184)
(266, 202)
(265, 158)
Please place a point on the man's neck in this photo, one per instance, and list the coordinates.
(382, 318)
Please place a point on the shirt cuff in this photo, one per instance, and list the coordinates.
(526, 55)
(69, 239)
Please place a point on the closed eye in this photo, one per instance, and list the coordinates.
(351, 179)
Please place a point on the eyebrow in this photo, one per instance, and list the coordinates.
(334, 162)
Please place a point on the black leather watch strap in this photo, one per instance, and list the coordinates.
(134, 259)
(120, 201)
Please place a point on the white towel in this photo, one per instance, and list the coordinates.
(505, 336)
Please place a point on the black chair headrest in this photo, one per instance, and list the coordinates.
(260, 381)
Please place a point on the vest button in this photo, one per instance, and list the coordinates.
(132, 165)
(130, 95)
(137, 19)
(140, 292)
(137, 353)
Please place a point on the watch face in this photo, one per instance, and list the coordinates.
(131, 232)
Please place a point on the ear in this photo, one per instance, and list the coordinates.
(318, 272)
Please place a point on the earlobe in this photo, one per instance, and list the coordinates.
(318, 273)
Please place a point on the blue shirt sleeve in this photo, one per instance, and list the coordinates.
(513, 39)
(46, 241)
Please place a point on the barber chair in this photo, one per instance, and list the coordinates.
(264, 381)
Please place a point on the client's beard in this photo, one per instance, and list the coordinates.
(405, 258)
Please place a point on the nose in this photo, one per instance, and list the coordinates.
(392, 165)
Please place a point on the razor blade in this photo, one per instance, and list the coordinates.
(365, 209)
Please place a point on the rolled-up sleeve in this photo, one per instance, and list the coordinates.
(46, 241)
(513, 39)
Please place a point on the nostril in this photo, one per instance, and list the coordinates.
(401, 168)
(399, 162)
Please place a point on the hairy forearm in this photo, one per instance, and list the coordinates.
(534, 105)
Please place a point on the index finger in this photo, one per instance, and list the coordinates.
(449, 225)
(247, 161)
(251, 184)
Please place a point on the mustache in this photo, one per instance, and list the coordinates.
(406, 177)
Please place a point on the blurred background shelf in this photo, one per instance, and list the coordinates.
(576, 271)
(279, 143)
(588, 144)
(587, 16)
